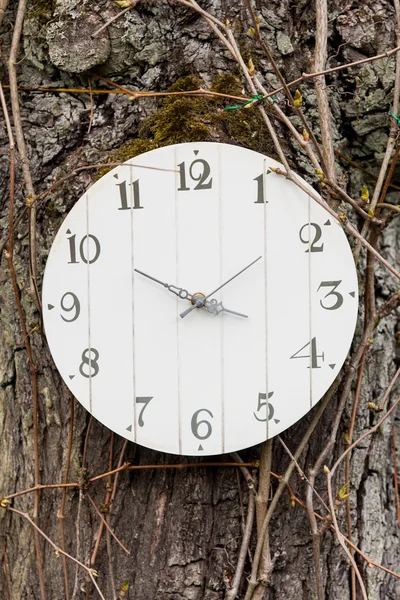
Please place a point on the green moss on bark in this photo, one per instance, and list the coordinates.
(196, 119)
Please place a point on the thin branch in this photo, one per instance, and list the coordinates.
(325, 118)
(395, 475)
(266, 563)
(20, 138)
(91, 572)
(60, 513)
(340, 537)
(362, 437)
(232, 593)
(246, 473)
(347, 466)
(253, 581)
(31, 362)
(107, 525)
(114, 18)
(392, 134)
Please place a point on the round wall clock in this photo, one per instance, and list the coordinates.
(196, 302)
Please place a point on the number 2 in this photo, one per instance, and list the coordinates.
(318, 233)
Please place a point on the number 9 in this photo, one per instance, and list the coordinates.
(75, 305)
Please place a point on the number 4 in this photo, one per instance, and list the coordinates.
(314, 356)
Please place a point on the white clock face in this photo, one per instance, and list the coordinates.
(138, 246)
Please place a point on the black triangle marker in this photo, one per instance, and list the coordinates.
(50, 306)
(352, 294)
(116, 176)
(277, 421)
(71, 376)
(200, 447)
(268, 171)
(129, 428)
(196, 152)
(332, 366)
(328, 222)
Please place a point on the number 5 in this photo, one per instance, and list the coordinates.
(262, 397)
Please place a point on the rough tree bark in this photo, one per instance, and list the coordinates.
(182, 527)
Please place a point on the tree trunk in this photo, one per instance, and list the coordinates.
(183, 527)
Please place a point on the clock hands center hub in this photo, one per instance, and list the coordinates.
(198, 299)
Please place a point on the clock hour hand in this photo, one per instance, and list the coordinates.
(215, 307)
(182, 293)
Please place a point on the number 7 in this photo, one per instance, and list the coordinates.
(145, 401)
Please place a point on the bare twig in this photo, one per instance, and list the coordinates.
(339, 537)
(392, 134)
(91, 572)
(325, 121)
(395, 475)
(107, 525)
(246, 473)
(60, 513)
(253, 581)
(32, 365)
(5, 567)
(266, 563)
(362, 437)
(232, 593)
(114, 18)
(20, 138)
(347, 467)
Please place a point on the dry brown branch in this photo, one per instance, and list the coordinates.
(246, 473)
(266, 563)
(232, 593)
(360, 168)
(356, 63)
(31, 362)
(392, 134)
(341, 219)
(181, 466)
(325, 120)
(91, 572)
(5, 569)
(264, 45)
(389, 389)
(370, 431)
(128, 467)
(349, 439)
(60, 513)
(20, 138)
(340, 192)
(339, 536)
(395, 475)
(284, 480)
(114, 18)
(107, 525)
(91, 108)
(3, 6)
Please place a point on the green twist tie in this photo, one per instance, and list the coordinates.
(253, 99)
(395, 117)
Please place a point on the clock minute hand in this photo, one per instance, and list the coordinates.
(181, 292)
(200, 303)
